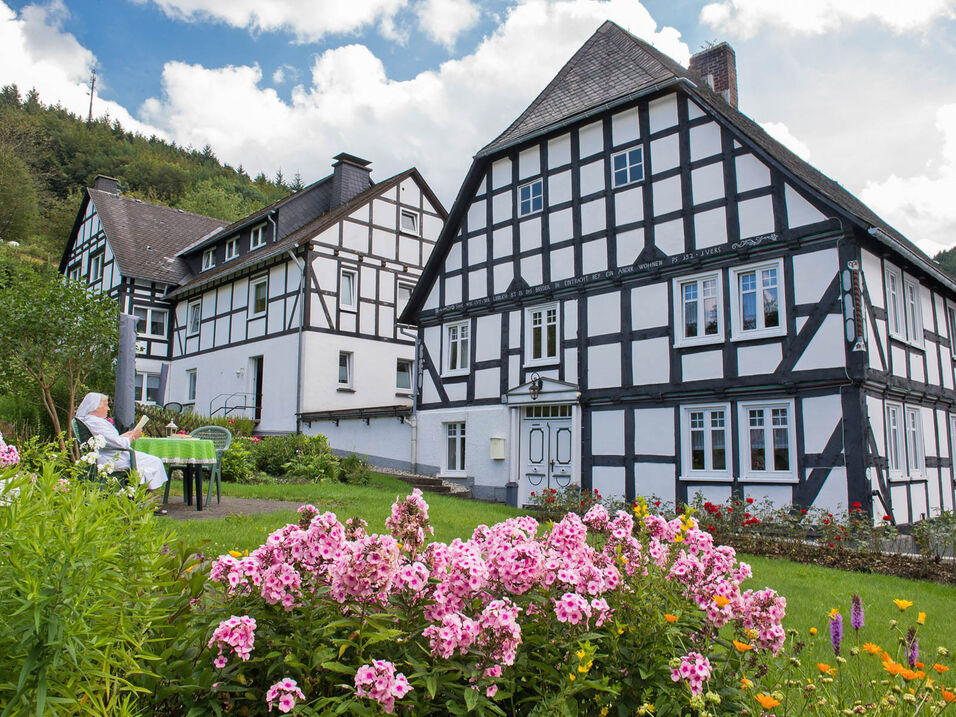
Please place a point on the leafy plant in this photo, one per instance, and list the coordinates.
(237, 461)
(355, 469)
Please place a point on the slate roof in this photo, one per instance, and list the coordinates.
(145, 238)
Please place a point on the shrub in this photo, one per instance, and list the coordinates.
(274, 454)
(313, 467)
(237, 462)
(553, 504)
(355, 469)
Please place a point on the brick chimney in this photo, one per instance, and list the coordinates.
(350, 176)
(717, 67)
(106, 184)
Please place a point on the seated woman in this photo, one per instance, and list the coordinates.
(92, 412)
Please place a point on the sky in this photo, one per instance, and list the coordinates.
(865, 90)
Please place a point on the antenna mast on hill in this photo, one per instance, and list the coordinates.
(89, 117)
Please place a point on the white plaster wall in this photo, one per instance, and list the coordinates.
(821, 415)
(704, 141)
(701, 366)
(481, 424)
(625, 127)
(833, 494)
(654, 431)
(827, 348)
(607, 433)
(608, 481)
(754, 360)
(799, 211)
(385, 442)
(813, 273)
(655, 479)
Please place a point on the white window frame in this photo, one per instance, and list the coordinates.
(75, 272)
(530, 187)
(231, 249)
(348, 303)
(743, 423)
(411, 370)
(913, 438)
(254, 284)
(257, 237)
(895, 441)
(454, 454)
(628, 166)
(412, 214)
(737, 332)
(151, 314)
(190, 329)
(348, 365)
(457, 352)
(143, 391)
(191, 382)
(895, 311)
(680, 339)
(209, 259)
(545, 359)
(399, 303)
(951, 327)
(913, 308)
(96, 267)
(709, 472)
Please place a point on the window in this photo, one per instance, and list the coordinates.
(191, 386)
(257, 237)
(208, 259)
(705, 441)
(96, 268)
(894, 304)
(530, 198)
(402, 296)
(147, 387)
(914, 312)
(767, 441)
(193, 318)
(348, 290)
(915, 459)
(75, 272)
(698, 308)
(455, 447)
(259, 295)
(403, 375)
(756, 300)
(542, 341)
(894, 438)
(457, 353)
(150, 322)
(232, 249)
(951, 322)
(628, 166)
(409, 221)
(345, 369)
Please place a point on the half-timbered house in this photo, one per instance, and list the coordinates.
(639, 290)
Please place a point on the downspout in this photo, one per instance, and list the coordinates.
(298, 367)
(413, 420)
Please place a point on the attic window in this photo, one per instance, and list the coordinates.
(530, 197)
(257, 237)
(232, 249)
(208, 259)
(409, 221)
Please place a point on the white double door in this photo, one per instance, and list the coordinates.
(548, 441)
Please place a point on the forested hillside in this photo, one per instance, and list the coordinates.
(48, 155)
(947, 260)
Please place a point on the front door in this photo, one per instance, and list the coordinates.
(257, 376)
(548, 441)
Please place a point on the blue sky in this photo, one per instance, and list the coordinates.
(865, 89)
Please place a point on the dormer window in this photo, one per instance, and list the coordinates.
(257, 237)
(208, 259)
(232, 249)
(409, 221)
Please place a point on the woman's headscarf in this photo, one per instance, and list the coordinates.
(90, 403)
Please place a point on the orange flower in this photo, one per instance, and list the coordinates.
(813, 631)
(669, 617)
(894, 668)
(742, 646)
(871, 648)
(940, 668)
(833, 613)
(903, 604)
(826, 669)
(721, 600)
(948, 696)
(908, 674)
(920, 665)
(745, 683)
(921, 618)
(766, 701)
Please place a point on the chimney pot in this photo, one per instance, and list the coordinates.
(350, 176)
(717, 67)
(106, 184)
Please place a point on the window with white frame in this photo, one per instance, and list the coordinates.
(698, 307)
(147, 387)
(913, 431)
(895, 451)
(259, 296)
(348, 289)
(951, 324)
(345, 369)
(455, 447)
(96, 268)
(894, 303)
(193, 317)
(232, 248)
(191, 385)
(627, 167)
(530, 198)
(756, 299)
(150, 322)
(541, 346)
(76, 271)
(914, 311)
(257, 237)
(209, 259)
(457, 347)
(767, 442)
(403, 375)
(409, 221)
(705, 432)
(403, 295)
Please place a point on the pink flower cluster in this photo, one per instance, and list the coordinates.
(379, 682)
(408, 522)
(9, 456)
(283, 695)
(695, 669)
(237, 634)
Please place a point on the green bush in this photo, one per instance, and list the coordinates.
(355, 469)
(313, 467)
(274, 454)
(237, 462)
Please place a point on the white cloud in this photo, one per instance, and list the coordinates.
(35, 52)
(923, 206)
(815, 17)
(285, 73)
(308, 20)
(435, 120)
(780, 132)
(444, 20)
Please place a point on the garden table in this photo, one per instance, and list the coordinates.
(190, 454)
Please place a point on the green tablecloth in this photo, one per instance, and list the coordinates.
(179, 451)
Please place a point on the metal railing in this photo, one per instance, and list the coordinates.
(230, 403)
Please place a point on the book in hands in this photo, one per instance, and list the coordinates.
(143, 420)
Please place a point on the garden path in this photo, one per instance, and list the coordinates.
(178, 510)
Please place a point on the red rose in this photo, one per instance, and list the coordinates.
(887, 517)
(532, 492)
(750, 500)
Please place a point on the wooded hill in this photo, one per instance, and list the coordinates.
(48, 155)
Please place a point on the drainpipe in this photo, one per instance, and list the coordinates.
(413, 420)
(298, 367)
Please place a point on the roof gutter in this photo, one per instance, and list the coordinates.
(879, 234)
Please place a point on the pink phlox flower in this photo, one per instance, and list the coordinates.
(380, 683)
(413, 576)
(283, 695)
(236, 634)
(366, 569)
(281, 585)
(456, 632)
(597, 518)
(695, 670)
(572, 608)
(408, 522)
(240, 575)
(500, 634)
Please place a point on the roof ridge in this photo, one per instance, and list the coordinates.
(154, 204)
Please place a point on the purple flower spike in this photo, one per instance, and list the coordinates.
(836, 632)
(912, 645)
(856, 612)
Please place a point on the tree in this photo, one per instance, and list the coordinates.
(18, 199)
(53, 331)
(297, 185)
(947, 261)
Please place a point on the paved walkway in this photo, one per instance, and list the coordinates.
(178, 510)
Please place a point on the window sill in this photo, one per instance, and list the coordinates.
(349, 309)
(257, 246)
(260, 315)
(452, 475)
(345, 389)
(456, 373)
(769, 478)
(403, 394)
(693, 343)
(706, 477)
(758, 334)
(543, 363)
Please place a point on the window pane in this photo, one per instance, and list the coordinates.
(697, 460)
(690, 309)
(758, 456)
(158, 323)
(139, 386)
(771, 313)
(141, 318)
(536, 342)
(709, 292)
(463, 350)
(343, 367)
(748, 301)
(403, 375)
(259, 302)
(152, 387)
(718, 439)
